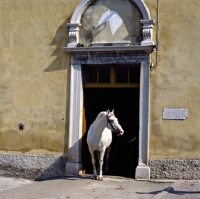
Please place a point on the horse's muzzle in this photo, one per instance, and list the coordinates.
(121, 133)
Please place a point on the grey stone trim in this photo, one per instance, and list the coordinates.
(185, 169)
(82, 6)
(80, 9)
(73, 34)
(111, 49)
(110, 59)
(37, 167)
(74, 165)
(147, 32)
(143, 9)
(142, 170)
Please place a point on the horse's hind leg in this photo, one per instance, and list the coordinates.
(107, 158)
(98, 158)
(93, 163)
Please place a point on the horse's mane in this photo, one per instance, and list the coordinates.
(100, 115)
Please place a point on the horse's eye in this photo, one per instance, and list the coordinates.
(110, 120)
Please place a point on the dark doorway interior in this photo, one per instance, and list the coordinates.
(125, 101)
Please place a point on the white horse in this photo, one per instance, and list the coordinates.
(99, 138)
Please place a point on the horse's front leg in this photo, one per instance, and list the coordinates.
(93, 164)
(102, 152)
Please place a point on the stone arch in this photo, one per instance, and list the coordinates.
(143, 9)
(83, 5)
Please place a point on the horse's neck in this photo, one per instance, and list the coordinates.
(99, 125)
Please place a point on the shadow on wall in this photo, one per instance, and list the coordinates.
(62, 62)
(60, 40)
(55, 170)
(37, 167)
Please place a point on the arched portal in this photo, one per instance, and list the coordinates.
(101, 52)
(75, 22)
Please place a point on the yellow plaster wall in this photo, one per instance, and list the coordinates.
(175, 82)
(34, 83)
(34, 70)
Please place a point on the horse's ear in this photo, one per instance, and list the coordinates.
(108, 111)
(113, 110)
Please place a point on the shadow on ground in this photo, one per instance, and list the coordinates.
(170, 190)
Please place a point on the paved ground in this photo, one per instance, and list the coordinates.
(181, 189)
(85, 188)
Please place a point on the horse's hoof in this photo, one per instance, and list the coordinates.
(100, 178)
(94, 177)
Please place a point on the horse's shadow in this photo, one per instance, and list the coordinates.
(170, 190)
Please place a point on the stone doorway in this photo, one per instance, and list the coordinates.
(101, 53)
(131, 56)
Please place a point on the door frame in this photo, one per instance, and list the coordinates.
(132, 55)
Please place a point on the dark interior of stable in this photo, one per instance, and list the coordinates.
(125, 101)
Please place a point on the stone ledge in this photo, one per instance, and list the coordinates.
(131, 48)
(178, 169)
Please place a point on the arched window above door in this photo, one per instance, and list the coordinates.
(113, 22)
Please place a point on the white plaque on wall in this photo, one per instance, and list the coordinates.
(175, 113)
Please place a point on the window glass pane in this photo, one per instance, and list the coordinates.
(134, 72)
(91, 75)
(104, 74)
(121, 74)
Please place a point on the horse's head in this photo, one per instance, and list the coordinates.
(113, 124)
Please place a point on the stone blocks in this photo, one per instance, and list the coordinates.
(179, 169)
(37, 167)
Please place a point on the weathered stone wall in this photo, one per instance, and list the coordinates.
(37, 167)
(188, 169)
